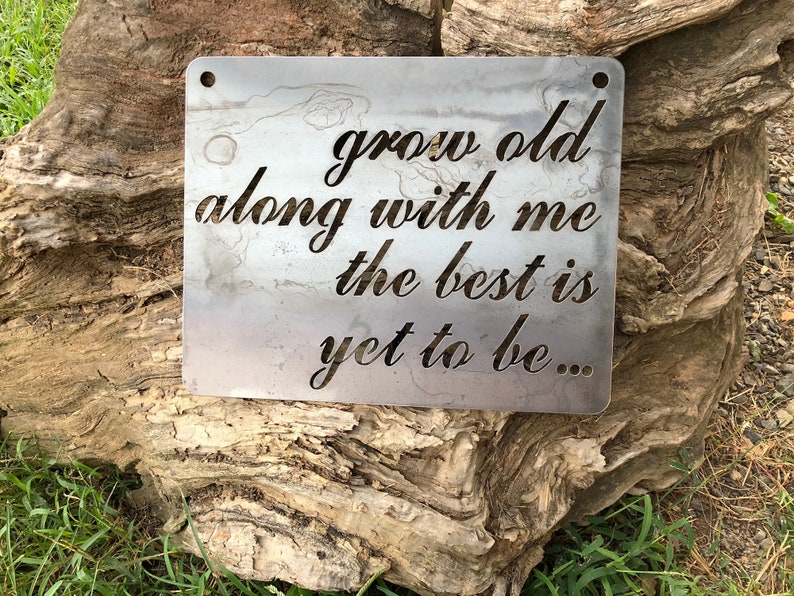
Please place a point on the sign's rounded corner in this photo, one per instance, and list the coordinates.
(603, 408)
(617, 66)
(192, 65)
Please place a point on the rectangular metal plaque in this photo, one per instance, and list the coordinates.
(415, 231)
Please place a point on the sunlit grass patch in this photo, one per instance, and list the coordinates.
(30, 37)
(626, 549)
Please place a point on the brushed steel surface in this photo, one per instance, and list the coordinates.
(463, 257)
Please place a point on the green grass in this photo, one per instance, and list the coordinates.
(627, 549)
(778, 219)
(30, 33)
(61, 531)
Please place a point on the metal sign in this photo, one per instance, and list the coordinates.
(415, 231)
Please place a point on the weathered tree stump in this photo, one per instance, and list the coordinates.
(449, 501)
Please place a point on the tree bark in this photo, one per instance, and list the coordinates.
(448, 501)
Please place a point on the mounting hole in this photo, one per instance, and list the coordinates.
(600, 80)
(207, 78)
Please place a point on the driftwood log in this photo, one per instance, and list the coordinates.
(447, 501)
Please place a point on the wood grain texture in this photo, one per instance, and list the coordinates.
(567, 27)
(448, 501)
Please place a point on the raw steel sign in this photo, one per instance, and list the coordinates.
(415, 231)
